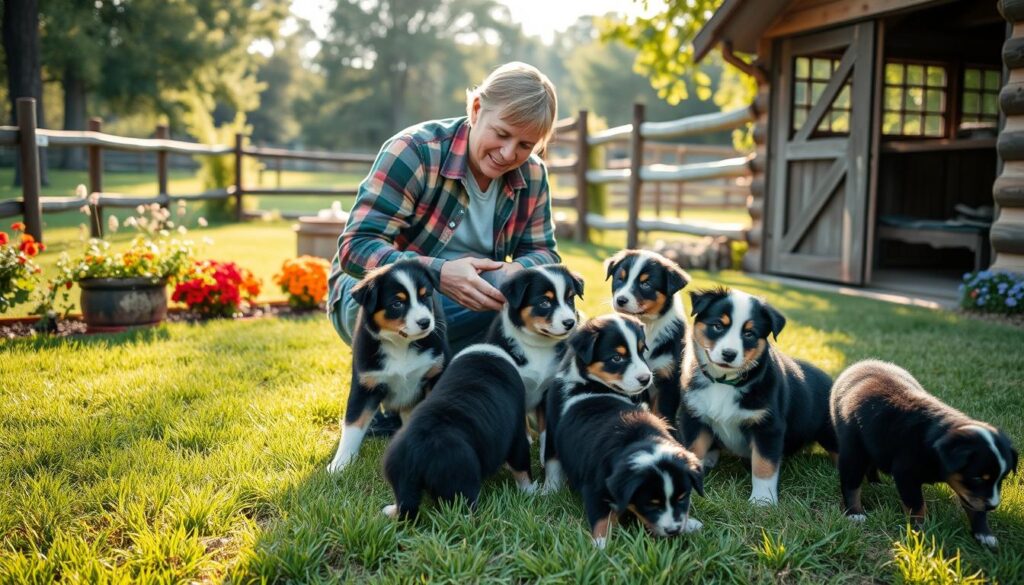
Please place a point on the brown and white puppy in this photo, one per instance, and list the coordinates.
(538, 316)
(644, 285)
(885, 421)
(743, 394)
(622, 459)
(398, 350)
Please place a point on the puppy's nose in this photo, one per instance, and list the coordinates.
(728, 354)
(621, 301)
(568, 323)
(673, 531)
(643, 379)
(423, 323)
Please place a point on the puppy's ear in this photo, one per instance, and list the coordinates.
(1013, 460)
(622, 484)
(365, 291)
(677, 278)
(696, 473)
(582, 342)
(612, 263)
(700, 300)
(433, 277)
(514, 289)
(775, 318)
(577, 284)
(953, 452)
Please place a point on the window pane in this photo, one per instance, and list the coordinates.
(915, 75)
(934, 100)
(912, 126)
(799, 116)
(843, 99)
(972, 78)
(933, 125)
(992, 80)
(893, 73)
(972, 102)
(891, 124)
(800, 93)
(823, 125)
(841, 122)
(822, 69)
(893, 98)
(816, 90)
(914, 100)
(803, 67)
(990, 105)
(936, 76)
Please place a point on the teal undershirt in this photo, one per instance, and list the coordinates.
(474, 236)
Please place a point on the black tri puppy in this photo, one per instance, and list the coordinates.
(743, 394)
(538, 316)
(473, 421)
(620, 457)
(398, 351)
(644, 285)
(886, 421)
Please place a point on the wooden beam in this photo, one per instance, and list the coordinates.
(833, 13)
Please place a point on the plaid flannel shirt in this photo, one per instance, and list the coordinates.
(413, 199)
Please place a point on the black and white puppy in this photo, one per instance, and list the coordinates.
(619, 456)
(473, 421)
(886, 421)
(644, 285)
(398, 350)
(538, 316)
(743, 394)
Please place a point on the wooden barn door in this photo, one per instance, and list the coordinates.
(821, 138)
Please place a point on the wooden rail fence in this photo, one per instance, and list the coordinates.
(640, 135)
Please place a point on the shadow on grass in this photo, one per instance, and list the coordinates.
(131, 336)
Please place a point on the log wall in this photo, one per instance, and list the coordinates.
(1008, 191)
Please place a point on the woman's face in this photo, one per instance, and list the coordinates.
(495, 146)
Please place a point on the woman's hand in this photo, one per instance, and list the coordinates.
(461, 282)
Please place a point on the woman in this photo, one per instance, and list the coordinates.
(466, 196)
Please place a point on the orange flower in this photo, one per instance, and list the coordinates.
(18, 226)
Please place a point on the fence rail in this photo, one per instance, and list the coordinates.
(572, 132)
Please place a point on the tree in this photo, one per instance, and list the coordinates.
(24, 72)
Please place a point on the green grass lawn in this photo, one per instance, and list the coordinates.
(196, 453)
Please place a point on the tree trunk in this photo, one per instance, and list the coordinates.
(74, 116)
(24, 75)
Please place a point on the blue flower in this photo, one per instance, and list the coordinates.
(1002, 287)
(985, 274)
(1011, 302)
(967, 275)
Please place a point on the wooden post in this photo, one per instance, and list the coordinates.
(277, 167)
(238, 176)
(582, 188)
(636, 161)
(96, 179)
(163, 133)
(32, 207)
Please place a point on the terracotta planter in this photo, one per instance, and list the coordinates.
(112, 304)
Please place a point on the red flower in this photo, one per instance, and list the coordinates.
(3, 238)
(18, 226)
(30, 248)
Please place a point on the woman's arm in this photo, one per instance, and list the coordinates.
(537, 244)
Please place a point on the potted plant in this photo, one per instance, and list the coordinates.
(125, 287)
(304, 280)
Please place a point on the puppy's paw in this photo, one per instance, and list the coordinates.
(710, 459)
(763, 500)
(529, 488)
(692, 525)
(857, 517)
(987, 540)
(549, 488)
(601, 542)
(338, 465)
(391, 510)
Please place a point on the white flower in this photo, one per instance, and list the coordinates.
(112, 223)
(130, 222)
(85, 209)
(164, 233)
(81, 191)
(94, 199)
(182, 229)
(202, 222)
(140, 209)
(170, 225)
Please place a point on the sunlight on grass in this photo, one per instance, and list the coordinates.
(918, 560)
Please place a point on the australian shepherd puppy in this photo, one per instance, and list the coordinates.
(398, 350)
(473, 421)
(538, 316)
(617, 454)
(886, 421)
(743, 394)
(644, 285)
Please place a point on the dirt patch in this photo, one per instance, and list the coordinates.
(1014, 320)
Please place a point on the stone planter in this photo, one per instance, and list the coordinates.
(112, 304)
(318, 236)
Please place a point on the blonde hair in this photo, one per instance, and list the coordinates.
(522, 96)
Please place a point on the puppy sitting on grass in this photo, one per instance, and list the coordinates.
(886, 421)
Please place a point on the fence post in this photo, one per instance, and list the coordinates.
(32, 207)
(163, 133)
(96, 178)
(636, 161)
(582, 188)
(238, 176)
